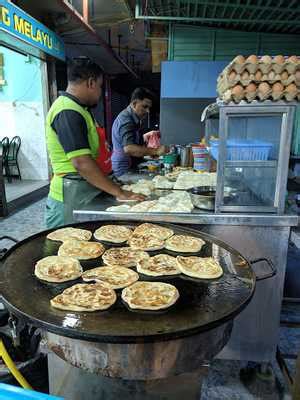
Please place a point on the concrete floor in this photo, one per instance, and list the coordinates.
(18, 188)
(223, 381)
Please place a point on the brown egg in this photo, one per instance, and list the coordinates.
(252, 59)
(264, 87)
(251, 88)
(245, 75)
(237, 92)
(239, 60)
(291, 88)
(284, 75)
(293, 59)
(232, 76)
(278, 87)
(279, 59)
(266, 59)
(258, 75)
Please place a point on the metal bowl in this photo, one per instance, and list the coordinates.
(203, 197)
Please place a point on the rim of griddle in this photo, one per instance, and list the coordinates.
(159, 337)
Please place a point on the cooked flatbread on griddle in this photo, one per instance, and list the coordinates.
(113, 233)
(81, 249)
(150, 295)
(200, 267)
(146, 243)
(58, 269)
(64, 234)
(159, 265)
(157, 231)
(184, 244)
(123, 256)
(85, 297)
(117, 277)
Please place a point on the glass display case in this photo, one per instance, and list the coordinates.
(252, 151)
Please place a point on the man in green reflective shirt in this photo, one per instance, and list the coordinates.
(73, 143)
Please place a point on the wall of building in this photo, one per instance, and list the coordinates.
(194, 43)
(187, 87)
(22, 111)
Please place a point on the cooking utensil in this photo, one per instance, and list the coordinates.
(203, 197)
(203, 304)
(186, 156)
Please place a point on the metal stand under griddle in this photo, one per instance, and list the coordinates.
(170, 370)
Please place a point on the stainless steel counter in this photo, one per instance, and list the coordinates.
(96, 210)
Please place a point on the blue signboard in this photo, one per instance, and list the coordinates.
(22, 25)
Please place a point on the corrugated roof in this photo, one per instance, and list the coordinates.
(280, 16)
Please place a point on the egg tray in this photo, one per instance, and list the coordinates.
(257, 95)
(247, 72)
(252, 67)
(225, 83)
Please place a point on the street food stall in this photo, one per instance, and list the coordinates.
(252, 151)
(239, 214)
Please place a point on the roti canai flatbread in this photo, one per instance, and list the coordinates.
(159, 265)
(146, 243)
(64, 234)
(150, 295)
(58, 269)
(113, 233)
(157, 231)
(200, 267)
(117, 277)
(81, 249)
(123, 256)
(85, 297)
(184, 244)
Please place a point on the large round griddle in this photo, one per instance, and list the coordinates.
(203, 304)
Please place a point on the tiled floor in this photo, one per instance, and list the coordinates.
(23, 223)
(223, 381)
(18, 188)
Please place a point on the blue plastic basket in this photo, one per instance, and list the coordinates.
(8, 392)
(245, 150)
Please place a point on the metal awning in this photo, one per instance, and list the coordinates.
(82, 36)
(280, 16)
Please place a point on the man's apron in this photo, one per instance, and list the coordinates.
(77, 193)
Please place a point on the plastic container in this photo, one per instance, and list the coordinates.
(245, 150)
(202, 166)
(8, 392)
(199, 149)
(201, 157)
(170, 158)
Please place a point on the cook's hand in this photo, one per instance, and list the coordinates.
(147, 135)
(127, 195)
(162, 150)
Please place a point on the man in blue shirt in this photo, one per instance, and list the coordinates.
(127, 138)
